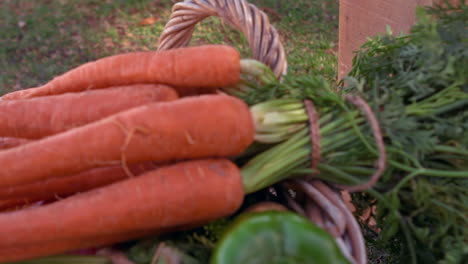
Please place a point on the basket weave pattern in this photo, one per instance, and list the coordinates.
(263, 38)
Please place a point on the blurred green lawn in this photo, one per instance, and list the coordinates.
(44, 38)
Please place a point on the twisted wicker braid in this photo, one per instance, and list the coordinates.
(263, 38)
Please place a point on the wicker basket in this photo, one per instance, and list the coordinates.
(263, 38)
(313, 199)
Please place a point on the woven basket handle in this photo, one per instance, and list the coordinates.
(262, 37)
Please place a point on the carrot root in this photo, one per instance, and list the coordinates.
(64, 186)
(31, 251)
(189, 128)
(176, 195)
(43, 249)
(44, 116)
(11, 142)
(190, 70)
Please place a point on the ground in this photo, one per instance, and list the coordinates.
(44, 38)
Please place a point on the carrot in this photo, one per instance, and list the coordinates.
(188, 69)
(44, 116)
(12, 204)
(61, 187)
(30, 251)
(41, 249)
(189, 128)
(11, 142)
(176, 195)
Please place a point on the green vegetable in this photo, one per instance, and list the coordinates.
(276, 237)
(420, 81)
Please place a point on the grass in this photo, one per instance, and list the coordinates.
(44, 38)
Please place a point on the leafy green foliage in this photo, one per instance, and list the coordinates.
(417, 85)
(417, 82)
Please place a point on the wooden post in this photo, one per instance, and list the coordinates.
(360, 19)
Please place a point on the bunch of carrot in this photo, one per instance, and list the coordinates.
(115, 154)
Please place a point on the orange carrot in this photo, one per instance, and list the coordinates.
(60, 187)
(189, 128)
(44, 116)
(176, 195)
(12, 204)
(187, 69)
(42, 249)
(11, 142)
(31, 251)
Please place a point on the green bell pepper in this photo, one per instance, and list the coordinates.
(275, 237)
